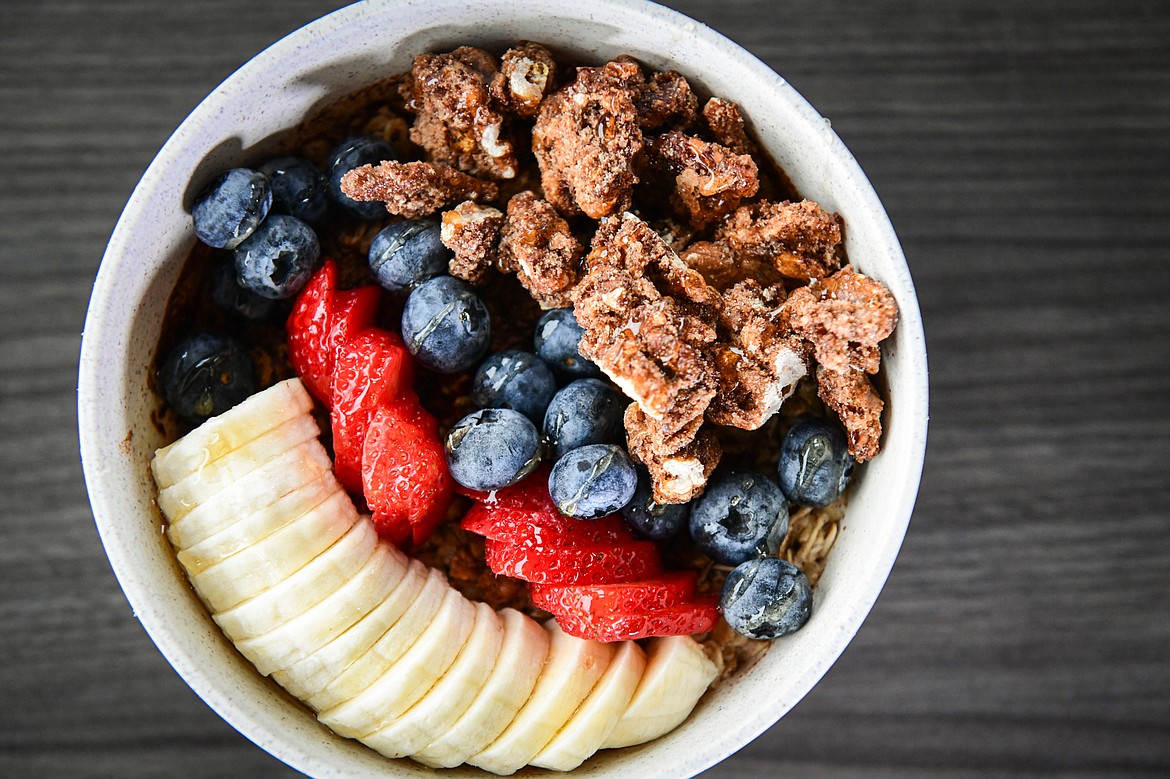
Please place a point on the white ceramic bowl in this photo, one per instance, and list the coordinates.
(334, 56)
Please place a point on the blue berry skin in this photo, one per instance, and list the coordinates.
(492, 448)
(298, 189)
(277, 260)
(588, 411)
(657, 521)
(405, 254)
(592, 481)
(232, 208)
(742, 514)
(556, 339)
(766, 598)
(228, 295)
(351, 154)
(206, 375)
(517, 380)
(445, 325)
(815, 464)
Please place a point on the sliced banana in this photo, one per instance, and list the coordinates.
(677, 674)
(596, 718)
(573, 668)
(508, 687)
(451, 696)
(230, 430)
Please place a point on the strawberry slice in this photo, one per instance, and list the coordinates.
(371, 369)
(600, 599)
(682, 619)
(354, 311)
(308, 329)
(531, 492)
(544, 527)
(584, 564)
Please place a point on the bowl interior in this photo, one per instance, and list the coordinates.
(323, 62)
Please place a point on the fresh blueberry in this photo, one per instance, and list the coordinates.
(231, 208)
(405, 254)
(445, 325)
(592, 481)
(658, 521)
(278, 259)
(206, 375)
(516, 380)
(557, 336)
(815, 464)
(743, 514)
(351, 154)
(766, 598)
(298, 189)
(227, 293)
(588, 411)
(492, 448)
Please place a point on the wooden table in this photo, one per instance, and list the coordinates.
(1023, 152)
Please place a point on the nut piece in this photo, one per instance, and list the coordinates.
(527, 74)
(720, 268)
(414, 189)
(709, 180)
(456, 122)
(851, 394)
(585, 140)
(666, 100)
(472, 232)
(537, 245)
(726, 124)
(800, 239)
(677, 475)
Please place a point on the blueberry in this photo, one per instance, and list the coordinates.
(557, 336)
(658, 521)
(278, 259)
(405, 254)
(206, 375)
(227, 293)
(351, 154)
(815, 464)
(231, 208)
(492, 448)
(742, 515)
(592, 481)
(766, 598)
(445, 325)
(298, 189)
(516, 380)
(588, 411)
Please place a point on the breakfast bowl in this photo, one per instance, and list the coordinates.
(316, 66)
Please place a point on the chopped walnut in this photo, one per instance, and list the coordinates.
(677, 475)
(527, 74)
(726, 124)
(666, 101)
(585, 140)
(414, 189)
(844, 317)
(709, 180)
(539, 248)
(720, 267)
(851, 394)
(472, 232)
(456, 122)
(801, 240)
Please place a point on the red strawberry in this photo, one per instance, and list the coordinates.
(530, 492)
(404, 470)
(544, 527)
(308, 329)
(584, 564)
(601, 599)
(354, 310)
(683, 619)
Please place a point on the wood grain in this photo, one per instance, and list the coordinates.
(1023, 152)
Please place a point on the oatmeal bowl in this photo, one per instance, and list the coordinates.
(493, 386)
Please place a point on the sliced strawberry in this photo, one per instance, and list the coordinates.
(585, 564)
(308, 329)
(601, 599)
(544, 527)
(683, 619)
(404, 470)
(354, 310)
(393, 527)
(531, 492)
(372, 369)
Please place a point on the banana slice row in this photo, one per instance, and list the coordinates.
(382, 648)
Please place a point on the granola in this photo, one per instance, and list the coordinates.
(527, 73)
(537, 245)
(472, 233)
(708, 181)
(801, 240)
(414, 189)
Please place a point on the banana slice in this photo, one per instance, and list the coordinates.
(230, 430)
(387, 650)
(310, 675)
(222, 473)
(677, 674)
(573, 668)
(451, 696)
(508, 687)
(272, 559)
(408, 680)
(258, 490)
(592, 723)
(324, 575)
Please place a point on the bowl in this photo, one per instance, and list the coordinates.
(332, 57)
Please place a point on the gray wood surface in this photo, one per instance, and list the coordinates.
(1023, 151)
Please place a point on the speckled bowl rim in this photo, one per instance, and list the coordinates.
(136, 269)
